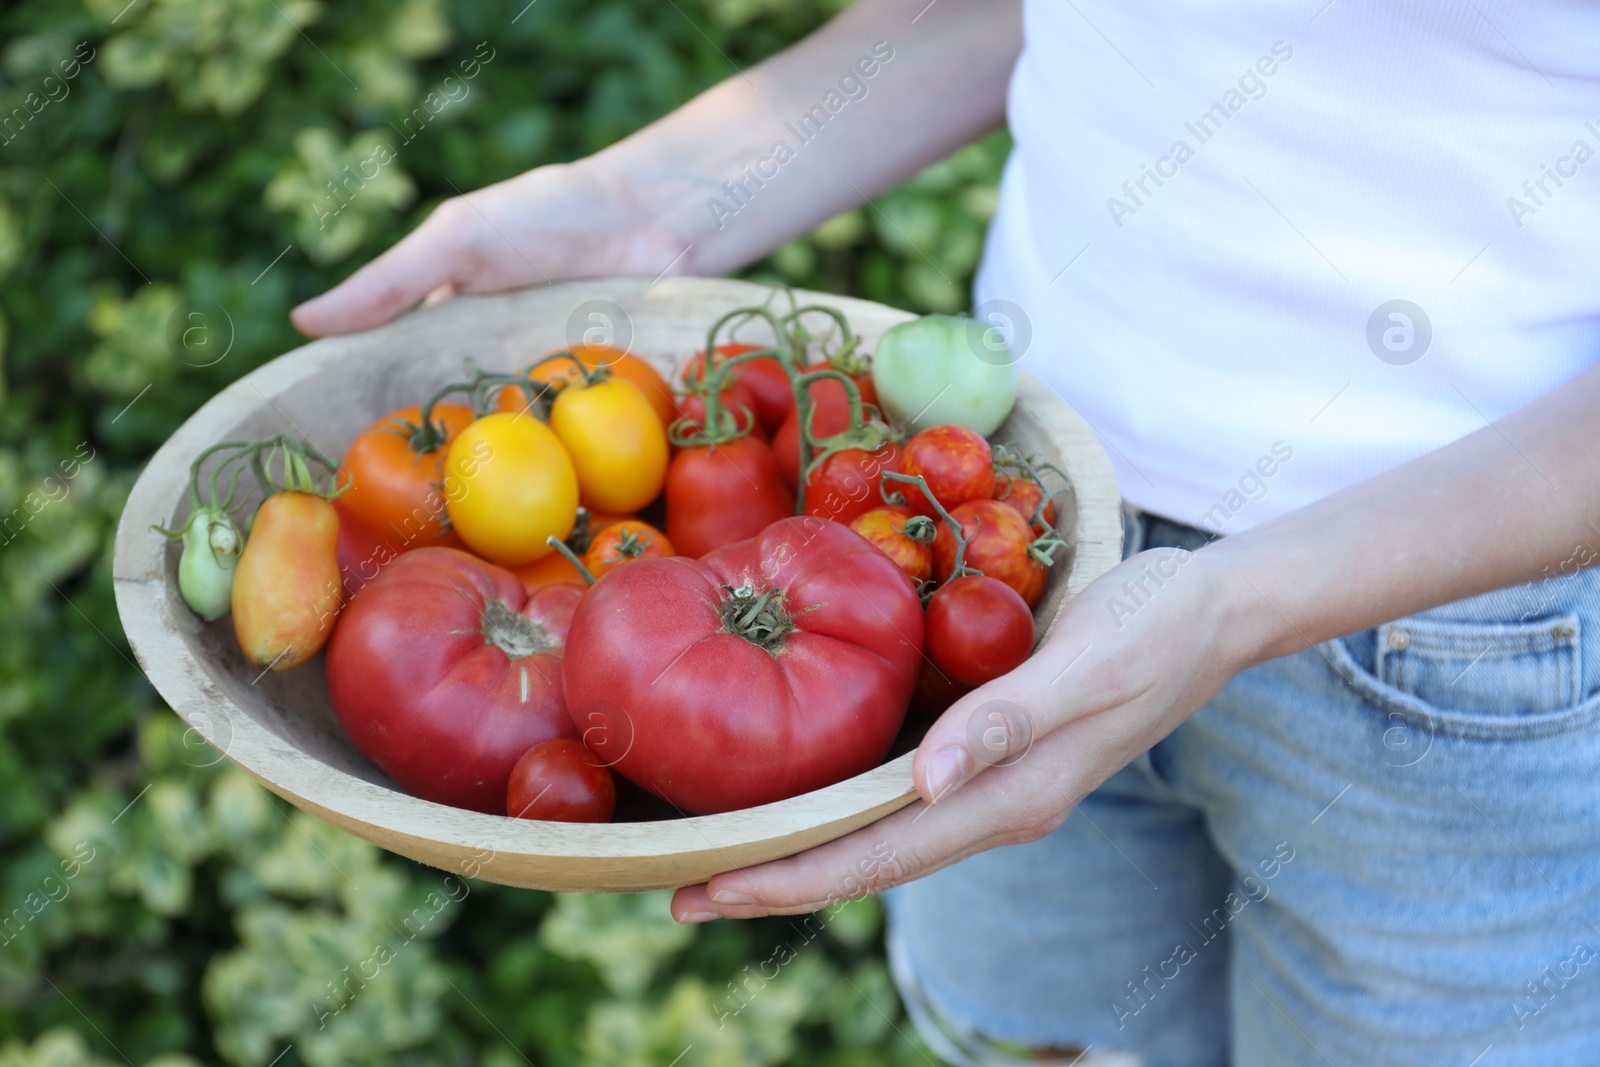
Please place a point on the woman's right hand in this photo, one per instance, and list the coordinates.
(550, 224)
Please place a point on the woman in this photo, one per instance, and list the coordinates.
(1322, 789)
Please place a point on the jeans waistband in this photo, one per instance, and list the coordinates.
(1142, 530)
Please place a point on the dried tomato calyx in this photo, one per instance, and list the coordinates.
(512, 632)
(761, 618)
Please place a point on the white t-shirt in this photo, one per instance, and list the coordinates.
(1211, 207)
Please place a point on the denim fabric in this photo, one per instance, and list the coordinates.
(1381, 851)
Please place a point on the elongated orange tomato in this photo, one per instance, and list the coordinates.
(625, 365)
(623, 543)
(286, 591)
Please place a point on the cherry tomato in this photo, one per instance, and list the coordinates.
(845, 486)
(443, 672)
(735, 398)
(830, 414)
(625, 365)
(555, 569)
(722, 493)
(885, 528)
(978, 629)
(771, 667)
(510, 485)
(561, 781)
(396, 474)
(957, 464)
(1025, 495)
(869, 392)
(764, 378)
(623, 543)
(286, 588)
(617, 444)
(998, 539)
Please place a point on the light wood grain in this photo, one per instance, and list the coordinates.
(280, 727)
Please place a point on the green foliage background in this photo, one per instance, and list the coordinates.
(209, 922)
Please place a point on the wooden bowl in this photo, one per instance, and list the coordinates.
(281, 728)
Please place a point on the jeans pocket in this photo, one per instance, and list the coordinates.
(1474, 679)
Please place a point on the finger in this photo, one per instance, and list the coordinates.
(421, 262)
(440, 293)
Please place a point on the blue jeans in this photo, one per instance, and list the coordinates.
(1381, 851)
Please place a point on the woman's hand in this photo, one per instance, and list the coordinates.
(1009, 761)
(554, 223)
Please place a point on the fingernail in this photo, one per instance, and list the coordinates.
(698, 916)
(729, 896)
(946, 768)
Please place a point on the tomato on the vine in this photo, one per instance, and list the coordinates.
(510, 486)
(957, 464)
(978, 629)
(771, 667)
(1025, 495)
(616, 442)
(844, 486)
(561, 781)
(395, 469)
(885, 529)
(721, 493)
(444, 672)
(999, 542)
(556, 569)
(624, 542)
(830, 415)
(555, 368)
(734, 399)
(764, 378)
(286, 585)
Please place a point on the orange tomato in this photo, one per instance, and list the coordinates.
(397, 491)
(885, 528)
(625, 365)
(554, 568)
(624, 542)
(1025, 495)
(286, 591)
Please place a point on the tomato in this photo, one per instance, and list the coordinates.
(771, 667)
(555, 569)
(625, 365)
(863, 380)
(957, 464)
(935, 691)
(617, 444)
(978, 630)
(1025, 495)
(764, 378)
(444, 672)
(830, 414)
(286, 590)
(361, 553)
(998, 540)
(510, 485)
(885, 528)
(396, 475)
(722, 493)
(623, 543)
(735, 398)
(561, 781)
(845, 486)
(943, 370)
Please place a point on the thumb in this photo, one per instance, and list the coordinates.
(423, 260)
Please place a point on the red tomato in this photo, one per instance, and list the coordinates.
(998, 540)
(561, 781)
(764, 378)
(845, 486)
(957, 464)
(1025, 495)
(626, 541)
(978, 630)
(735, 398)
(719, 494)
(830, 414)
(869, 392)
(362, 553)
(397, 491)
(553, 569)
(444, 672)
(885, 528)
(935, 691)
(771, 667)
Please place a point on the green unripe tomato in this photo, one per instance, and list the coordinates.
(945, 370)
(211, 547)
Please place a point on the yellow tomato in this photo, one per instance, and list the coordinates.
(286, 591)
(616, 443)
(509, 485)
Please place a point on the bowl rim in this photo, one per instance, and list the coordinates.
(155, 621)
